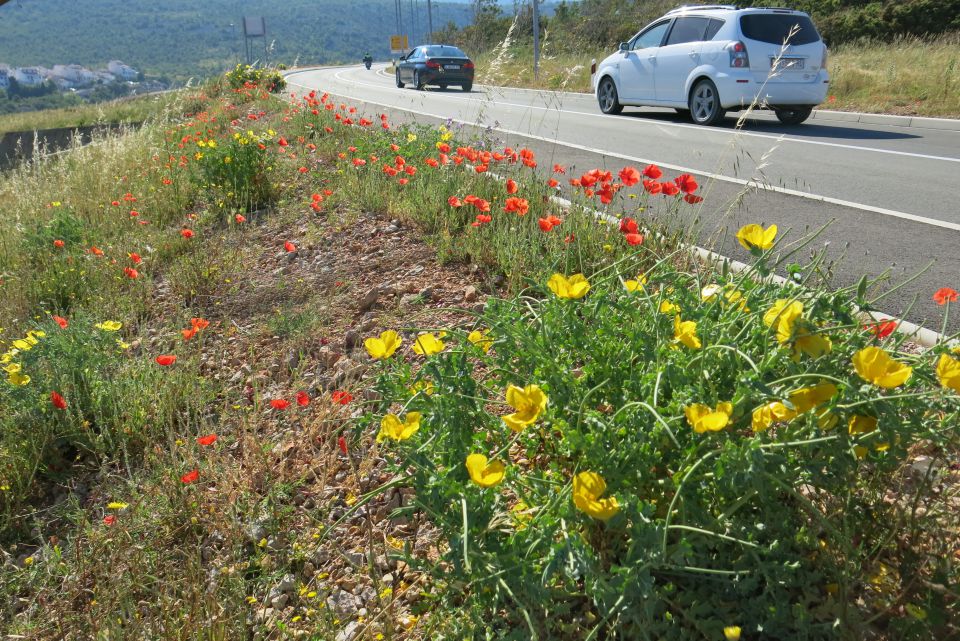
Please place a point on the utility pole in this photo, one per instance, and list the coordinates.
(536, 39)
(413, 24)
(429, 21)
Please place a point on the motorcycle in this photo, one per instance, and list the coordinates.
(367, 62)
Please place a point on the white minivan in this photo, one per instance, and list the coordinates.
(707, 60)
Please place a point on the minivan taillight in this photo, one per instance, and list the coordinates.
(738, 55)
(826, 54)
(433, 64)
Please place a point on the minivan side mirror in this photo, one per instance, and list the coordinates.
(624, 46)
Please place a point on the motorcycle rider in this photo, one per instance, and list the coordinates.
(367, 59)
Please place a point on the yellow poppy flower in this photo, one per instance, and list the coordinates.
(948, 371)
(783, 317)
(18, 378)
(422, 386)
(686, 332)
(529, 402)
(390, 426)
(710, 292)
(875, 366)
(703, 419)
(636, 285)
(813, 345)
(384, 345)
(483, 473)
(428, 344)
(807, 398)
(587, 489)
(12, 368)
(520, 514)
(731, 633)
(859, 424)
(574, 287)
(116, 505)
(23, 344)
(35, 334)
(481, 338)
(773, 412)
(666, 307)
(109, 326)
(751, 236)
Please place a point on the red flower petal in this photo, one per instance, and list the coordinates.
(58, 401)
(945, 295)
(209, 439)
(166, 360)
(303, 399)
(190, 477)
(279, 403)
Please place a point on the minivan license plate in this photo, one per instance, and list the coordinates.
(784, 64)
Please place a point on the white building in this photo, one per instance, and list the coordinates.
(28, 76)
(105, 77)
(122, 71)
(72, 75)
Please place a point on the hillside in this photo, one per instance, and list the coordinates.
(180, 38)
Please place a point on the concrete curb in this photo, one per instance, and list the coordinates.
(942, 124)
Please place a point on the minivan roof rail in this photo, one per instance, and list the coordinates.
(703, 7)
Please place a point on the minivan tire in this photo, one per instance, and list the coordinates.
(793, 116)
(704, 103)
(608, 98)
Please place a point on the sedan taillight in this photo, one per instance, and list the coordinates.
(432, 64)
(468, 65)
(738, 55)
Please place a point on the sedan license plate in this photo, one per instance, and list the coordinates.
(451, 66)
(784, 64)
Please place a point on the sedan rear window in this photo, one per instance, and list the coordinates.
(443, 51)
(775, 28)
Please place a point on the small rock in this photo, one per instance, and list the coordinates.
(387, 579)
(428, 293)
(470, 294)
(348, 632)
(342, 602)
(280, 601)
(351, 339)
(287, 583)
(409, 300)
(370, 299)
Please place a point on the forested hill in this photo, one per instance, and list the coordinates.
(183, 38)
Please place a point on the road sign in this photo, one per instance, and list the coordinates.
(398, 44)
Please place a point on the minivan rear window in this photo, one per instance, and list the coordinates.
(775, 27)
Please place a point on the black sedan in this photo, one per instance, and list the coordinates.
(441, 65)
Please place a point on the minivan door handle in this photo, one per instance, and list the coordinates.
(694, 54)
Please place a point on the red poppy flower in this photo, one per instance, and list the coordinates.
(279, 404)
(96, 251)
(58, 401)
(190, 477)
(61, 321)
(340, 397)
(480, 168)
(304, 170)
(115, 203)
(545, 225)
(359, 162)
(481, 204)
(552, 183)
(282, 142)
(629, 176)
(58, 243)
(166, 360)
(135, 258)
(559, 169)
(303, 399)
(342, 443)
(652, 172)
(186, 233)
(518, 205)
(403, 181)
(109, 519)
(881, 330)
(327, 192)
(686, 183)
(511, 186)
(945, 295)
(607, 193)
(693, 199)
(669, 189)
(209, 439)
(453, 201)
(651, 186)
(200, 323)
(240, 219)
(633, 239)
(290, 247)
(569, 239)
(411, 170)
(188, 333)
(131, 272)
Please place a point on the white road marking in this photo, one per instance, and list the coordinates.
(737, 181)
(681, 125)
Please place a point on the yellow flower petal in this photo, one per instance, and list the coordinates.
(427, 344)
(755, 236)
(383, 346)
(483, 473)
(574, 287)
(875, 366)
(587, 489)
(392, 427)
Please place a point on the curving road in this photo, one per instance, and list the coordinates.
(887, 191)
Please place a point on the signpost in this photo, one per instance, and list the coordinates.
(254, 27)
(399, 44)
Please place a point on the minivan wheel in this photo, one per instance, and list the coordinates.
(399, 84)
(705, 108)
(793, 116)
(608, 98)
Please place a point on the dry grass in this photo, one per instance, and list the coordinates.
(124, 110)
(910, 76)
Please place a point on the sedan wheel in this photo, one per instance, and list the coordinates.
(416, 81)
(608, 98)
(399, 84)
(704, 103)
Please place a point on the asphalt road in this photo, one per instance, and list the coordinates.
(888, 192)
